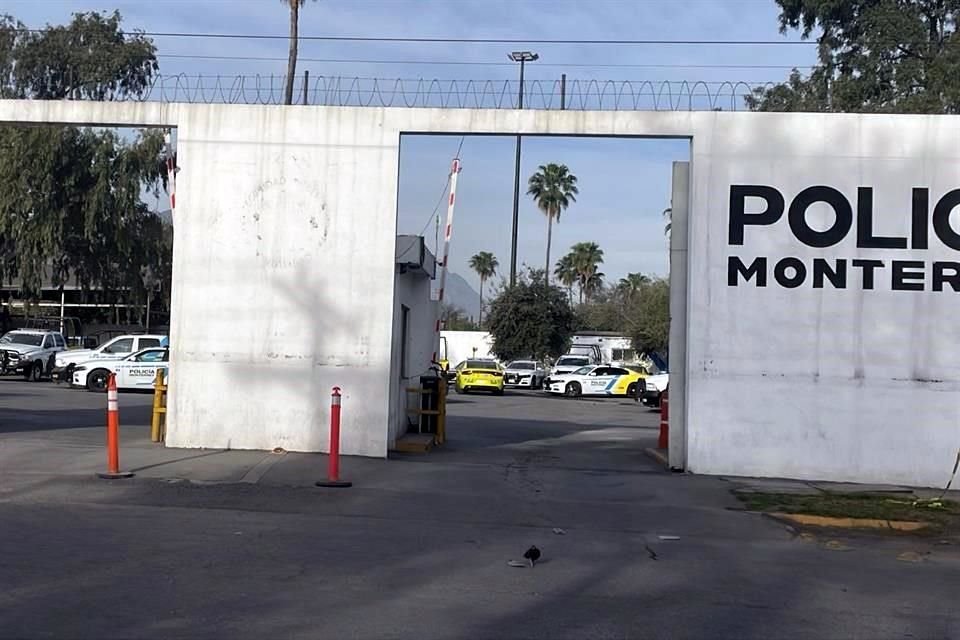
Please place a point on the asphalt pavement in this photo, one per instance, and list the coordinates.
(419, 547)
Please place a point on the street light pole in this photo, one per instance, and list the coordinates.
(522, 57)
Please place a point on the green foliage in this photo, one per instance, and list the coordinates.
(530, 318)
(638, 307)
(632, 283)
(70, 198)
(566, 273)
(649, 311)
(881, 56)
(586, 258)
(553, 188)
(91, 58)
(485, 264)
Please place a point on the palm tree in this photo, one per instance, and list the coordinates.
(592, 283)
(553, 188)
(566, 274)
(294, 40)
(485, 264)
(632, 283)
(586, 258)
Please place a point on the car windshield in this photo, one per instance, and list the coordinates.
(30, 339)
(639, 370)
(520, 365)
(481, 364)
(573, 362)
(582, 371)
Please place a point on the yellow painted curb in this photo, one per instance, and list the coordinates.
(850, 523)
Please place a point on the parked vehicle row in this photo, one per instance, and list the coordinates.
(37, 354)
(591, 380)
(115, 349)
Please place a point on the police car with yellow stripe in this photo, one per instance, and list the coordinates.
(597, 380)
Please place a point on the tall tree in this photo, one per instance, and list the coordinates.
(553, 188)
(485, 264)
(530, 319)
(91, 58)
(586, 258)
(566, 274)
(294, 6)
(70, 198)
(874, 56)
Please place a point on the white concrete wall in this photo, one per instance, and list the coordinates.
(412, 290)
(287, 213)
(282, 289)
(834, 384)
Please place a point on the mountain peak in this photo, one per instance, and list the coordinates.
(460, 295)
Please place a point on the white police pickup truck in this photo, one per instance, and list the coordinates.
(116, 349)
(30, 352)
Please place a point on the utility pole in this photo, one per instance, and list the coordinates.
(522, 57)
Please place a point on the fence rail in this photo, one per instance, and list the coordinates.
(604, 95)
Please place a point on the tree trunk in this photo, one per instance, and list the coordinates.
(546, 273)
(292, 59)
(480, 317)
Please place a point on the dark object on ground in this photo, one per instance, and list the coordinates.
(531, 555)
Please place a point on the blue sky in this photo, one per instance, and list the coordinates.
(624, 183)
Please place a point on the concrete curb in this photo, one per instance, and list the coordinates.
(848, 523)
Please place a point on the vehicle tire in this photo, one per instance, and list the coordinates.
(632, 390)
(460, 391)
(34, 372)
(97, 380)
(573, 390)
(498, 392)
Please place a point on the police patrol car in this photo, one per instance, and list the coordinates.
(136, 371)
(602, 380)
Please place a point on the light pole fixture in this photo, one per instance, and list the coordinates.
(523, 57)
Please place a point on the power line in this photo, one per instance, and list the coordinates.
(441, 40)
(580, 65)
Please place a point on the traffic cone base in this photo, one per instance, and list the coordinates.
(116, 476)
(334, 484)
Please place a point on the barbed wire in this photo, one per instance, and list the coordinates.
(360, 91)
(357, 91)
